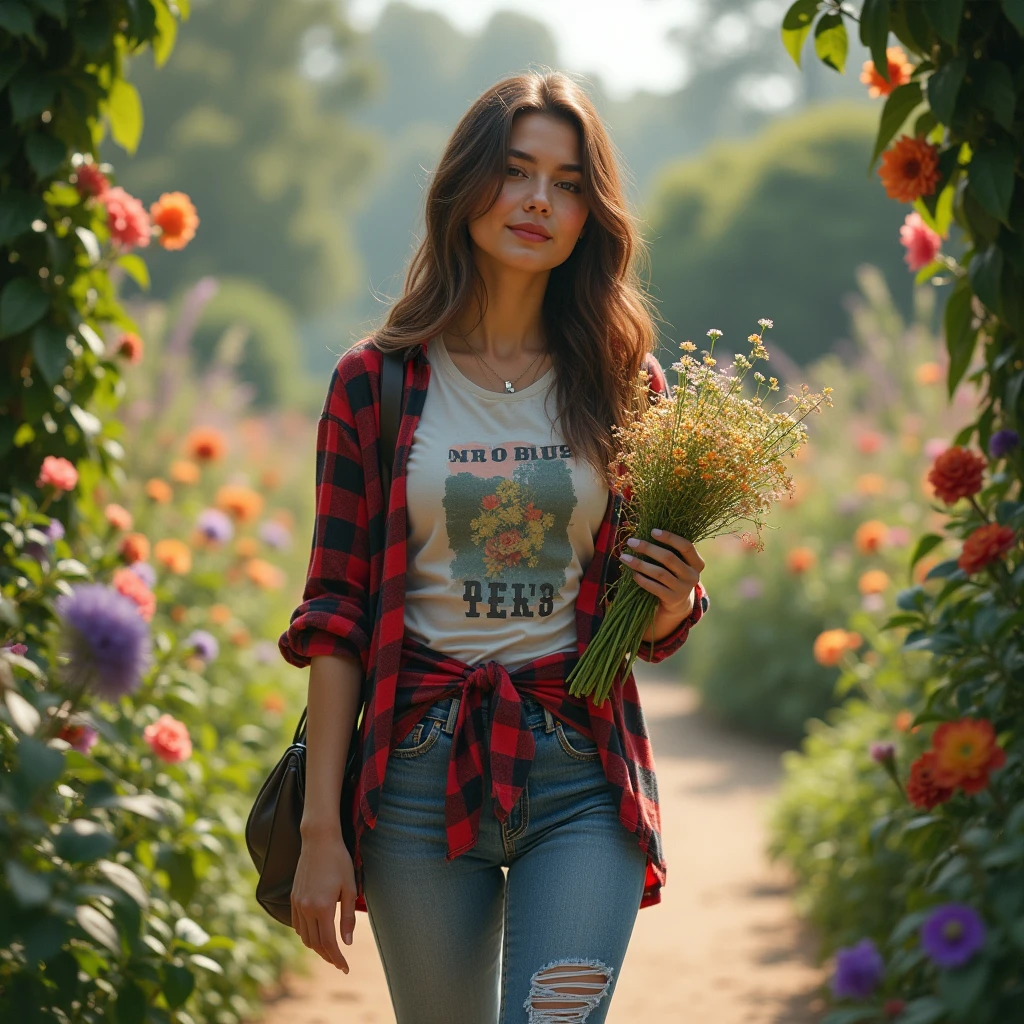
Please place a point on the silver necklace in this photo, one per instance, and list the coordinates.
(509, 389)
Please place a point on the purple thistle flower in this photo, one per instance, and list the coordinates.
(859, 970)
(952, 934)
(882, 752)
(275, 535)
(204, 643)
(145, 572)
(55, 530)
(216, 525)
(1002, 442)
(106, 639)
(265, 651)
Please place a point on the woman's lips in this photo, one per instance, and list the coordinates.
(530, 236)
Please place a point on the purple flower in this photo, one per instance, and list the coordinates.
(1002, 442)
(275, 535)
(81, 737)
(55, 530)
(265, 651)
(145, 572)
(107, 641)
(216, 525)
(205, 644)
(952, 934)
(19, 649)
(859, 971)
(882, 752)
(749, 588)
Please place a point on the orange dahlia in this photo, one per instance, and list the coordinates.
(159, 490)
(205, 444)
(832, 644)
(871, 484)
(134, 548)
(986, 544)
(265, 575)
(134, 587)
(870, 536)
(184, 471)
(176, 217)
(922, 787)
(965, 752)
(904, 720)
(247, 547)
(174, 554)
(874, 581)
(956, 474)
(909, 169)
(799, 560)
(118, 516)
(220, 614)
(243, 503)
(900, 70)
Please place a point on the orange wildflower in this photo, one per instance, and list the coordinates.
(134, 548)
(956, 474)
(265, 575)
(118, 516)
(869, 442)
(129, 345)
(870, 536)
(174, 554)
(134, 587)
(799, 560)
(909, 169)
(205, 444)
(270, 478)
(240, 638)
(184, 471)
(986, 544)
(159, 490)
(176, 217)
(922, 788)
(900, 69)
(831, 645)
(285, 516)
(242, 503)
(965, 752)
(219, 614)
(871, 484)
(247, 547)
(178, 613)
(274, 703)
(874, 581)
(928, 373)
(903, 720)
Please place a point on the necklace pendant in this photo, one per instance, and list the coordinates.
(508, 388)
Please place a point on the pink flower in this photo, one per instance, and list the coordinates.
(922, 244)
(59, 473)
(935, 446)
(126, 217)
(118, 516)
(19, 649)
(90, 180)
(169, 739)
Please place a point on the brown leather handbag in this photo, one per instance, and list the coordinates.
(272, 828)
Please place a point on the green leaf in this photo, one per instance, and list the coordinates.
(98, 927)
(18, 210)
(928, 271)
(82, 841)
(927, 543)
(207, 963)
(44, 937)
(926, 1010)
(124, 112)
(146, 805)
(55, 8)
(961, 989)
(39, 765)
(177, 983)
(983, 272)
(188, 931)
(830, 42)
(45, 154)
(166, 33)
(16, 18)
(30, 93)
(851, 1015)
(125, 879)
(50, 351)
(29, 888)
(1014, 11)
(874, 33)
(796, 25)
(993, 88)
(960, 338)
(135, 267)
(22, 303)
(944, 87)
(990, 178)
(941, 220)
(898, 107)
(72, 567)
(944, 16)
(131, 1004)
(25, 717)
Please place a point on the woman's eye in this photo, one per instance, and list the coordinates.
(574, 188)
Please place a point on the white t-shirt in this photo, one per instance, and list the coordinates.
(502, 520)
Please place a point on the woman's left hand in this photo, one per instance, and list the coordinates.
(670, 573)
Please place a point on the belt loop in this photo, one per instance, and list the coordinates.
(453, 714)
(549, 721)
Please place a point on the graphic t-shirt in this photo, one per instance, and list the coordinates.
(502, 520)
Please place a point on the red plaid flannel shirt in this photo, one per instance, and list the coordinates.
(359, 553)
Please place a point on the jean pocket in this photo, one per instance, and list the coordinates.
(575, 744)
(419, 740)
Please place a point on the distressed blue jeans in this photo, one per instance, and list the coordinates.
(461, 942)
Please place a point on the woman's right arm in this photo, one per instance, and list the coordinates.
(325, 873)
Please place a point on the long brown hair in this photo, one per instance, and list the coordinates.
(598, 319)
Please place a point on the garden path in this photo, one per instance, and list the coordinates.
(722, 947)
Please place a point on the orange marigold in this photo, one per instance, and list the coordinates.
(159, 490)
(871, 484)
(220, 614)
(184, 471)
(900, 69)
(904, 719)
(176, 217)
(264, 574)
(274, 703)
(247, 547)
(134, 587)
(928, 373)
(922, 788)
(799, 560)
(874, 581)
(909, 169)
(831, 645)
(174, 554)
(134, 548)
(870, 536)
(243, 503)
(118, 516)
(205, 444)
(965, 752)
(986, 544)
(956, 474)
(129, 345)
(240, 638)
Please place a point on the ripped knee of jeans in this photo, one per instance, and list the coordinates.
(566, 991)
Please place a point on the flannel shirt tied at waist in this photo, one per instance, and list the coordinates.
(506, 742)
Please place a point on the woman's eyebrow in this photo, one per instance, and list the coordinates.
(532, 159)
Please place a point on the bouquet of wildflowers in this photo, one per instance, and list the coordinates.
(698, 462)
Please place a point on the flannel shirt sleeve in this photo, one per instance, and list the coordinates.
(671, 643)
(333, 617)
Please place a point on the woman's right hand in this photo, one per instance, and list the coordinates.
(323, 876)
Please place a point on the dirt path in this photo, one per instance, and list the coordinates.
(722, 947)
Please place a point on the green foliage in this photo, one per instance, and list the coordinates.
(778, 222)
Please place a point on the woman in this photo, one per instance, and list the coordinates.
(522, 311)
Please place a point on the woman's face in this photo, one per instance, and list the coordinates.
(540, 189)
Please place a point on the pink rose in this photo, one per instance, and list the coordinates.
(118, 516)
(126, 217)
(58, 472)
(922, 244)
(169, 739)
